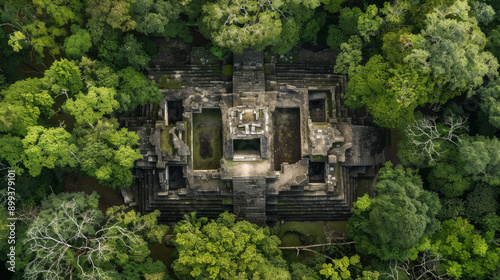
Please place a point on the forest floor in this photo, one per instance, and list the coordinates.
(108, 197)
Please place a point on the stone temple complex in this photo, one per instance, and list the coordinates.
(265, 137)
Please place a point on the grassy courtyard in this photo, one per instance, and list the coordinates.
(207, 139)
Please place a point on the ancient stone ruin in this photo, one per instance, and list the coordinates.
(265, 137)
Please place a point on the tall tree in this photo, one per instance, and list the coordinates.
(482, 158)
(90, 107)
(48, 147)
(63, 77)
(135, 89)
(375, 228)
(468, 255)
(107, 153)
(241, 24)
(226, 249)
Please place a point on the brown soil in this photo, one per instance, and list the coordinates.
(287, 146)
(206, 150)
(108, 197)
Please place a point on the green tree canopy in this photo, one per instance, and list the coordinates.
(482, 158)
(451, 49)
(378, 231)
(90, 107)
(490, 97)
(48, 147)
(241, 24)
(63, 77)
(76, 45)
(135, 89)
(225, 249)
(107, 153)
(468, 255)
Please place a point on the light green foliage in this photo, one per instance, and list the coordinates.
(16, 40)
(47, 148)
(490, 97)
(375, 228)
(61, 12)
(452, 50)
(42, 38)
(31, 94)
(95, 73)
(397, 45)
(369, 22)
(396, 13)
(482, 158)
(241, 24)
(90, 107)
(24, 103)
(135, 89)
(349, 59)
(468, 255)
(116, 13)
(225, 249)
(63, 77)
(71, 236)
(15, 118)
(389, 95)
(107, 153)
(346, 268)
(76, 45)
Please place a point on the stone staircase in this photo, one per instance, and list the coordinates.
(174, 206)
(248, 72)
(200, 76)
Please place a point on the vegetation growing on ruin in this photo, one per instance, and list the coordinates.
(69, 68)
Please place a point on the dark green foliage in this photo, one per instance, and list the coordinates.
(480, 202)
(24, 103)
(451, 208)
(375, 228)
(107, 153)
(490, 97)
(448, 177)
(135, 89)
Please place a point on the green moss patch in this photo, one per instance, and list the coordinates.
(227, 70)
(207, 139)
(166, 142)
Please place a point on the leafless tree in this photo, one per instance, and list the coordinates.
(74, 243)
(425, 267)
(425, 134)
